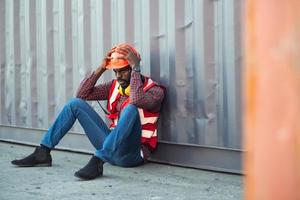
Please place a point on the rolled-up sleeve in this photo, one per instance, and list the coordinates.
(88, 91)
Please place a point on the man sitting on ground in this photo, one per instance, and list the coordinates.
(133, 105)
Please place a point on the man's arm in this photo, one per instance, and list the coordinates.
(88, 91)
(150, 100)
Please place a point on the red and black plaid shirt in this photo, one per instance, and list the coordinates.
(150, 100)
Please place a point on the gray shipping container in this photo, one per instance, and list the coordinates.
(192, 47)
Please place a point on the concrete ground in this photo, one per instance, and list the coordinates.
(148, 182)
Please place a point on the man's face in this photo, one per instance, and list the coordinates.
(123, 76)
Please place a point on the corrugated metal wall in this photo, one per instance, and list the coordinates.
(193, 47)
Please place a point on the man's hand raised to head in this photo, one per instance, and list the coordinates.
(102, 67)
(127, 53)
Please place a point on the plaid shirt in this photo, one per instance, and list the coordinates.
(150, 100)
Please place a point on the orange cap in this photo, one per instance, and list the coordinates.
(116, 62)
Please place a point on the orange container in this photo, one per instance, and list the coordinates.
(272, 100)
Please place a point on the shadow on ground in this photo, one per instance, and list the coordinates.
(148, 182)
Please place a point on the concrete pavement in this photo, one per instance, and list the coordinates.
(148, 182)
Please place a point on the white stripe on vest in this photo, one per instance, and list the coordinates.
(114, 95)
(149, 83)
(144, 120)
(149, 134)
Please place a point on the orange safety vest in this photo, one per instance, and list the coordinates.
(148, 119)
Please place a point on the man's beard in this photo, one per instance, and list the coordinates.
(124, 83)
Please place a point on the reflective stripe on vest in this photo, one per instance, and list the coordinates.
(148, 119)
(113, 96)
(149, 134)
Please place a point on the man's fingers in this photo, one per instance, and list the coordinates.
(122, 51)
(127, 48)
(110, 52)
(127, 51)
(121, 56)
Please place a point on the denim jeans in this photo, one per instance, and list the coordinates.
(120, 146)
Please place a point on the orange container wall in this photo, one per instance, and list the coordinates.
(272, 100)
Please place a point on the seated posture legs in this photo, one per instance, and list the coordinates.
(121, 146)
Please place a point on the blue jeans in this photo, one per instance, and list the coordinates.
(120, 146)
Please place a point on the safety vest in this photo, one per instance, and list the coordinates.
(148, 119)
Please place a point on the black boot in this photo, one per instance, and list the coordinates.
(39, 158)
(92, 170)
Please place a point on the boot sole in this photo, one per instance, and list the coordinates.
(87, 178)
(37, 165)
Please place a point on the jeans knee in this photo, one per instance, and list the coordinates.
(132, 108)
(75, 102)
(122, 163)
(129, 163)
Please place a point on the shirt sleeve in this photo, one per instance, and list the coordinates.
(150, 100)
(88, 91)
